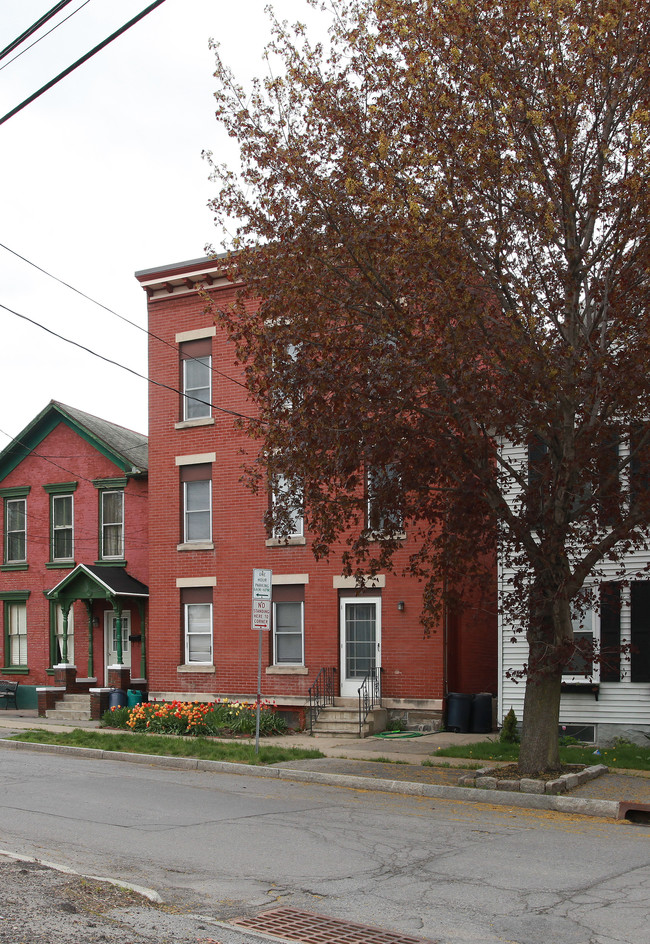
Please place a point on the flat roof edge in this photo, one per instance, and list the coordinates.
(203, 261)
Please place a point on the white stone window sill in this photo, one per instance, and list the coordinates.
(380, 536)
(196, 546)
(199, 667)
(200, 421)
(287, 670)
(292, 540)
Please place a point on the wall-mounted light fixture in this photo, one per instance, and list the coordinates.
(400, 606)
(95, 622)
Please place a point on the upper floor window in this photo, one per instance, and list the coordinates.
(15, 530)
(62, 533)
(381, 514)
(196, 498)
(287, 508)
(112, 524)
(197, 510)
(196, 379)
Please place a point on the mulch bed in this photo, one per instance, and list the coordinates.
(511, 772)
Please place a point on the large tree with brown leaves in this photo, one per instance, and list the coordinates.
(444, 214)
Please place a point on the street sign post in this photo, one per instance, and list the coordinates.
(261, 621)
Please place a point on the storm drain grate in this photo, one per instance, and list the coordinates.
(310, 928)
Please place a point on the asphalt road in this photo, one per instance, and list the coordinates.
(222, 846)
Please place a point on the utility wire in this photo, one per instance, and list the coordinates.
(79, 62)
(130, 370)
(33, 28)
(56, 26)
(133, 324)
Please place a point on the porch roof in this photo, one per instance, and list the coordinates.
(91, 582)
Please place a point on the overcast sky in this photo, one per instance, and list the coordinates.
(103, 176)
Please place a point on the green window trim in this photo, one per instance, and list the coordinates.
(63, 488)
(24, 566)
(111, 483)
(14, 516)
(16, 491)
(60, 565)
(12, 598)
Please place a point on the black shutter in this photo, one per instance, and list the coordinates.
(640, 656)
(610, 632)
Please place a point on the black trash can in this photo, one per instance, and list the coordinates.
(117, 698)
(459, 708)
(481, 714)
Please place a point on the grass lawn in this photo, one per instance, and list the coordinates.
(625, 756)
(237, 752)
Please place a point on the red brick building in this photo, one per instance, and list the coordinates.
(207, 534)
(74, 571)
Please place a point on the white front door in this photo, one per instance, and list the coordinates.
(360, 641)
(110, 637)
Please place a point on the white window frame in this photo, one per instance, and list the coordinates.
(371, 511)
(187, 633)
(111, 524)
(15, 531)
(16, 615)
(197, 400)
(55, 529)
(284, 485)
(585, 622)
(301, 633)
(187, 512)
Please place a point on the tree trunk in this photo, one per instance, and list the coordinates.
(539, 749)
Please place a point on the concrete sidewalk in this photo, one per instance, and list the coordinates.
(395, 764)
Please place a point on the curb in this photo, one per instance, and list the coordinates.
(607, 809)
(148, 893)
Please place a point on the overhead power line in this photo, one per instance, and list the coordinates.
(133, 324)
(33, 28)
(79, 62)
(130, 370)
(47, 33)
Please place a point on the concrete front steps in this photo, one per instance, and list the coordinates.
(343, 721)
(70, 708)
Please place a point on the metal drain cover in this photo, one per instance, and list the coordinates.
(307, 927)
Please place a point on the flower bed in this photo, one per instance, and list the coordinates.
(217, 718)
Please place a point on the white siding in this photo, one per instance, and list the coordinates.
(621, 702)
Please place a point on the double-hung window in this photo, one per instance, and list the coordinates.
(287, 508)
(62, 527)
(581, 666)
(15, 629)
(382, 516)
(289, 625)
(198, 511)
(196, 488)
(112, 524)
(288, 633)
(15, 530)
(196, 379)
(197, 625)
(15, 527)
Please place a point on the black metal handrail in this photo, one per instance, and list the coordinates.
(321, 693)
(369, 694)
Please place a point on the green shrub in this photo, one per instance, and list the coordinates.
(115, 718)
(509, 732)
